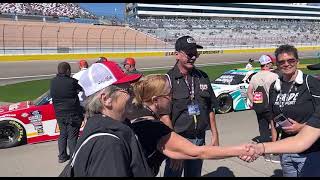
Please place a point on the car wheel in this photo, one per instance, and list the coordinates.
(12, 134)
(224, 103)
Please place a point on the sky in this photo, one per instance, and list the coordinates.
(105, 9)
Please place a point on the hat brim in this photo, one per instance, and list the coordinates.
(199, 47)
(129, 78)
(314, 66)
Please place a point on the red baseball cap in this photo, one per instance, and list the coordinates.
(83, 63)
(102, 75)
(129, 61)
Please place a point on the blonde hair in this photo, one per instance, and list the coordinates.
(149, 86)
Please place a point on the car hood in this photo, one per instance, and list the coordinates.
(15, 106)
(222, 88)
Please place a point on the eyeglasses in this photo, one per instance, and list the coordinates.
(127, 90)
(289, 61)
(190, 55)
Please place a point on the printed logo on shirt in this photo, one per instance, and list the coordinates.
(203, 87)
(286, 100)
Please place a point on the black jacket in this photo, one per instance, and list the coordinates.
(64, 92)
(204, 96)
(109, 156)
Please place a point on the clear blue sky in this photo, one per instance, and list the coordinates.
(105, 9)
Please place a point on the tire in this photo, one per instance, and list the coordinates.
(225, 102)
(12, 134)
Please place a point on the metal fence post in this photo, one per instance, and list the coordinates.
(101, 37)
(58, 39)
(87, 38)
(41, 38)
(4, 47)
(135, 41)
(124, 40)
(74, 29)
(23, 38)
(113, 39)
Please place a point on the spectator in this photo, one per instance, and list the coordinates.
(193, 104)
(297, 97)
(106, 88)
(249, 65)
(258, 89)
(158, 141)
(129, 65)
(83, 66)
(102, 59)
(64, 90)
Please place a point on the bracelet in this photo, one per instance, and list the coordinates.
(264, 150)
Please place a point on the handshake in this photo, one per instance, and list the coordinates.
(251, 152)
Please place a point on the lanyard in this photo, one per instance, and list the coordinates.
(286, 99)
(191, 90)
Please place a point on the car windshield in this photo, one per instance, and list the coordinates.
(229, 79)
(43, 99)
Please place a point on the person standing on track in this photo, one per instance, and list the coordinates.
(64, 92)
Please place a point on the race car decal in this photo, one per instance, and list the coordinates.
(36, 120)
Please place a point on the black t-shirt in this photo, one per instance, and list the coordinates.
(149, 133)
(297, 102)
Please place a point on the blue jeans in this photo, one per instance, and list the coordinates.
(192, 168)
(301, 165)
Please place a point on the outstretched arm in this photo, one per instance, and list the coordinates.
(176, 147)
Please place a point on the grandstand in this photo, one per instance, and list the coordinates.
(229, 25)
(34, 28)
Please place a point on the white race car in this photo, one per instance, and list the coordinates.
(231, 90)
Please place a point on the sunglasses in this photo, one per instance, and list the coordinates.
(289, 61)
(191, 55)
(127, 90)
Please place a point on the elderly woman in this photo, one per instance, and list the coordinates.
(294, 101)
(118, 153)
(158, 140)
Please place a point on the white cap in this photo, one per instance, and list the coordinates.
(102, 75)
(264, 59)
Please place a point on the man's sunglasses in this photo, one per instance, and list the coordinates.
(289, 61)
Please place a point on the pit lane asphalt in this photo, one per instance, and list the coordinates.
(40, 160)
(13, 72)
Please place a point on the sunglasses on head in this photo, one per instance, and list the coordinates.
(289, 61)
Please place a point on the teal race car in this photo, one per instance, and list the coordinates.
(231, 88)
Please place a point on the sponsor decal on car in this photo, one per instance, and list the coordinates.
(35, 119)
(8, 115)
(24, 115)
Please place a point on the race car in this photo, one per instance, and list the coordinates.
(28, 122)
(231, 90)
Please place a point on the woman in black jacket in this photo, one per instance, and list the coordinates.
(158, 141)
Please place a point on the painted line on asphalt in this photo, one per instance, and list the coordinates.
(142, 69)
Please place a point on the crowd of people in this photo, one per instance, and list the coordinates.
(230, 32)
(134, 122)
(72, 10)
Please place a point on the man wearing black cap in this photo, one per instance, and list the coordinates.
(193, 106)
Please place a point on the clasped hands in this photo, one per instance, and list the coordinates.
(252, 151)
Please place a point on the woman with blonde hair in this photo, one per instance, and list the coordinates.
(153, 92)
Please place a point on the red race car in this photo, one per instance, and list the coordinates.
(28, 122)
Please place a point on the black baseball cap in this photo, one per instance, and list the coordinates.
(187, 44)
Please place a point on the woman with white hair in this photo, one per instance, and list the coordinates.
(107, 147)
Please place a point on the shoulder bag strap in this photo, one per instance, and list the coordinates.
(85, 141)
